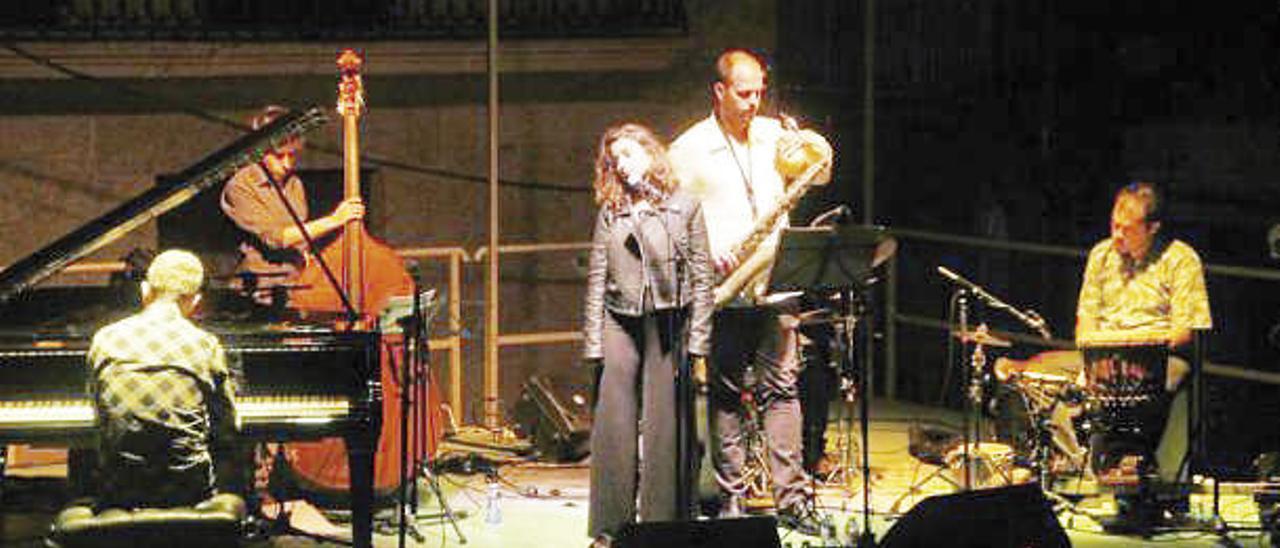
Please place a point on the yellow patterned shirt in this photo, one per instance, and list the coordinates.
(1164, 291)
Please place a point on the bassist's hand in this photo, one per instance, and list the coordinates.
(349, 210)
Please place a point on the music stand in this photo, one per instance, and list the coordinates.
(842, 258)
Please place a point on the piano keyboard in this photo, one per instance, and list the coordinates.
(21, 420)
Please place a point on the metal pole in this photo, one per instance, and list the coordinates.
(891, 329)
(492, 409)
(455, 334)
(869, 114)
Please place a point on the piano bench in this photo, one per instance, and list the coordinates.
(215, 522)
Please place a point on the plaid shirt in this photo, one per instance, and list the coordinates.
(161, 387)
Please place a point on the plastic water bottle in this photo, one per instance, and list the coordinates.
(851, 531)
(829, 535)
(493, 504)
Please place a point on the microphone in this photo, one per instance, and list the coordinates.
(638, 184)
(836, 216)
(1037, 323)
(415, 270)
(1030, 317)
(948, 274)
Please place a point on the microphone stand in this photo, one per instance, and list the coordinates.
(409, 326)
(678, 318)
(1030, 318)
(414, 372)
(852, 312)
(684, 404)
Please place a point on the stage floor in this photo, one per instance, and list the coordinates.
(546, 505)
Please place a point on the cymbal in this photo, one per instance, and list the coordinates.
(981, 336)
(816, 316)
(884, 251)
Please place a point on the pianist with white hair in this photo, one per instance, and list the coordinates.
(161, 389)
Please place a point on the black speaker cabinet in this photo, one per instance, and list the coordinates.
(1008, 516)
(556, 418)
(753, 532)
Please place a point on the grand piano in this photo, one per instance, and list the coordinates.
(297, 381)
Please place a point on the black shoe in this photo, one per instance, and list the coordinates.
(805, 523)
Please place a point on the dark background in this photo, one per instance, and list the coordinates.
(1018, 120)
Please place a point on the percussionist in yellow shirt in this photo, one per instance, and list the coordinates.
(1141, 287)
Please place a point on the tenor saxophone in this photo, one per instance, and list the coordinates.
(795, 155)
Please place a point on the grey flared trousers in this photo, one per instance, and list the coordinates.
(633, 433)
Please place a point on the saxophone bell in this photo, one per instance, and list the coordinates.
(799, 149)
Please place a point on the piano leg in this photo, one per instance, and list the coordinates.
(82, 473)
(362, 442)
(360, 461)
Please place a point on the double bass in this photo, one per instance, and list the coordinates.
(354, 277)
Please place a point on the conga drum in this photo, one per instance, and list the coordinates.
(1128, 406)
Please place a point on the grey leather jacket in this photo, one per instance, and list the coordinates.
(649, 249)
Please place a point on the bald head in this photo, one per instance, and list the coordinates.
(738, 91)
(733, 58)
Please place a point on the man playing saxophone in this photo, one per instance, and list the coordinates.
(738, 163)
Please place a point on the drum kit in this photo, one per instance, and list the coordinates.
(1042, 441)
(1095, 413)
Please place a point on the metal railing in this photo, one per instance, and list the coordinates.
(451, 341)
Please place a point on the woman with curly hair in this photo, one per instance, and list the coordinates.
(648, 303)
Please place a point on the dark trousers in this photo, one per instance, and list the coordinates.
(755, 337)
(633, 433)
(819, 385)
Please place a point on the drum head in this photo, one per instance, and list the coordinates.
(990, 465)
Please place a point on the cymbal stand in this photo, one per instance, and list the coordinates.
(853, 309)
(847, 469)
(976, 398)
(962, 310)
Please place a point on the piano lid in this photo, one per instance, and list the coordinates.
(109, 227)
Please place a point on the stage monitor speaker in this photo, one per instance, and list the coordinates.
(752, 532)
(556, 418)
(1008, 516)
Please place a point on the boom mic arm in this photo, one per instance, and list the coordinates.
(1031, 318)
